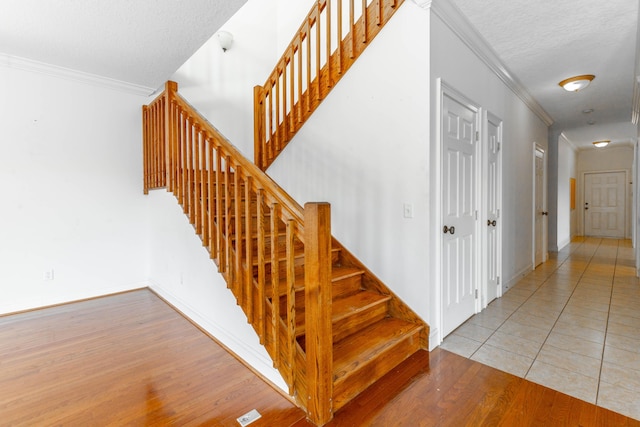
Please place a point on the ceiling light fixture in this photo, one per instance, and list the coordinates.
(225, 39)
(601, 144)
(574, 84)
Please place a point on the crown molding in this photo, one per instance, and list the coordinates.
(569, 142)
(19, 63)
(622, 143)
(460, 25)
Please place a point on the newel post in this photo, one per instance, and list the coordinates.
(170, 90)
(319, 341)
(258, 126)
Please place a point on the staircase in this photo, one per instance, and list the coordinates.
(330, 39)
(331, 327)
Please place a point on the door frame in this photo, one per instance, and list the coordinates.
(484, 142)
(545, 251)
(443, 89)
(627, 199)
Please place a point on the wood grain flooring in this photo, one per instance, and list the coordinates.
(131, 360)
(125, 360)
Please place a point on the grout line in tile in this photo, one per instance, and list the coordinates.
(606, 329)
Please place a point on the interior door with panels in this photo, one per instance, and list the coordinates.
(460, 140)
(605, 204)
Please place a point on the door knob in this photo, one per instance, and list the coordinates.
(490, 223)
(545, 213)
(446, 229)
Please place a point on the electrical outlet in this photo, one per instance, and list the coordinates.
(249, 417)
(48, 275)
(408, 210)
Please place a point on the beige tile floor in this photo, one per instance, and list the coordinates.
(572, 324)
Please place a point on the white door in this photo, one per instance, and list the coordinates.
(494, 142)
(539, 213)
(459, 242)
(604, 204)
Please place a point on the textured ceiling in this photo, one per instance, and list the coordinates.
(545, 41)
(541, 42)
(139, 42)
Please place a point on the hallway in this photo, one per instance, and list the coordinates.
(572, 325)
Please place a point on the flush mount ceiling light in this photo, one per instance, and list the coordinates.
(574, 84)
(225, 39)
(601, 144)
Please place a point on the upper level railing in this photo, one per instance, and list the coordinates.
(256, 234)
(332, 36)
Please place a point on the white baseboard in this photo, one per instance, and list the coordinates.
(563, 244)
(508, 284)
(433, 339)
(260, 361)
(39, 302)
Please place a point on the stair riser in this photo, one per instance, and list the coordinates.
(350, 386)
(298, 265)
(352, 324)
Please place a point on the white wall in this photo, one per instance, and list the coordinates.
(220, 86)
(71, 168)
(461, 69)
(183, 273)
(613, 158)
(566, 217)
(365, 150)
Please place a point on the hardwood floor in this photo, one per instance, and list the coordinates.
(132, 360)
(127, 359)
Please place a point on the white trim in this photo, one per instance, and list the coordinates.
(545, 252)
(563, 244)
(462, 27)
(508, 284)
(66, 297)
(434, 338)
(489, 117)
(443, 89)
(626, 200)
(261, 362)
(16, 62)
(569, 142)
(612, 144)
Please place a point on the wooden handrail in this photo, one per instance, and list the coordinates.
(331, 38)
(254, 232)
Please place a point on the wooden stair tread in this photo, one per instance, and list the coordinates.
(282, 254)
(337, 274)
(343, 307)
(355, 351)
(356, 303)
